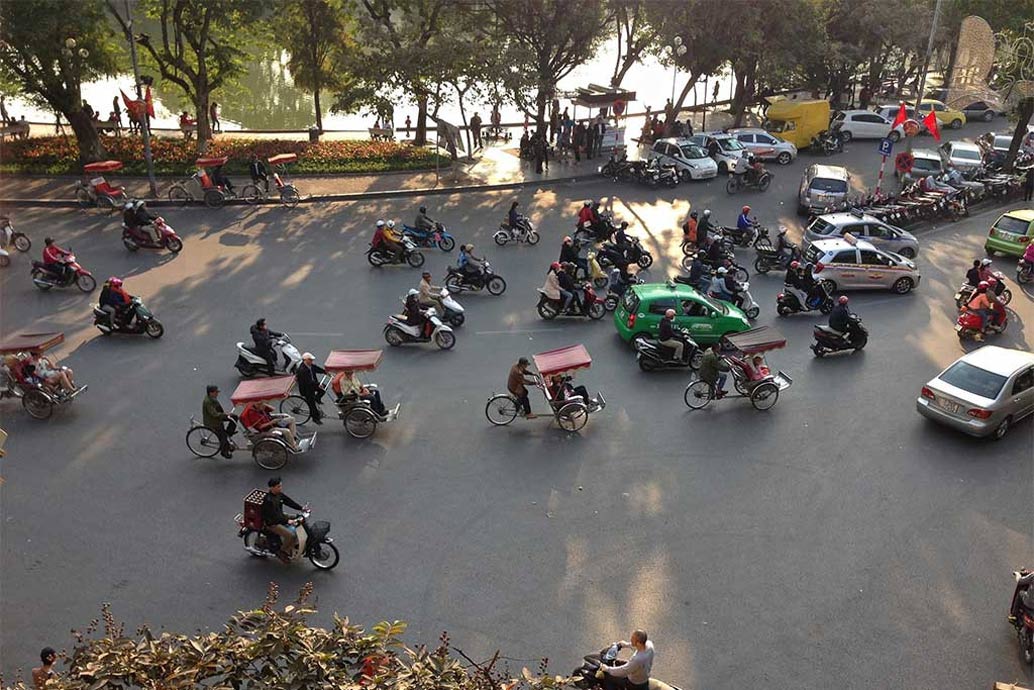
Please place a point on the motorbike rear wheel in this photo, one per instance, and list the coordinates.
(376, 258)
(394, 336)
(496, 285)
(22, 243)
(764, 182)
(610, 302)
(454, 282)
(731, 187)
(501, 238)
(761, 265)
(129, 243)
(597, 311)
(1024, 277)
(547, 310)
(324, 555)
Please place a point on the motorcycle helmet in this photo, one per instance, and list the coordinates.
(413, 292)
(722, 270)
(842, 299)
(555, 266)
(423, 209)
(782, 229)
(139, 204)
(380, 223)
(795, 264)
(391, 224)
(693, 214)
(991, 282)
(128, 206)
(985, 262)
(669, 314)
(115, 281)
(707, 213)
(745, 209)
(983, 285)
(624, 224)
(586, 203)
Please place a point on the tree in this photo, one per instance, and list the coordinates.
(1014, 77)
(49, 48)
(635, 36)
(198, 47)
(311, 30)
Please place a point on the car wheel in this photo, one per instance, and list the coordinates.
(908, 253)
(784, 158)
(902, 286)
(989, 115)
(1002, 429)
(846, 135)
(723, 169)
(956, 124)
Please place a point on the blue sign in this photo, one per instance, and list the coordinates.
(886, 146)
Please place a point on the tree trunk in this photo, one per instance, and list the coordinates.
(953, 54)
(90, 147)
(1024, 110)
(466, 126)
(541, 99)
(620, 76)
(745, 78)
(420, 137)
(614, 80)
(204, 127)
(677, 106)
(319, 109)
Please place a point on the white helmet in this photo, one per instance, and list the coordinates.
(128, 206)
(391, 224)
(139, 203)
(782, 229)
(412, 292)
(587, 203)
(380, 223)
(985, 262)
(707, 212)
(722, 270)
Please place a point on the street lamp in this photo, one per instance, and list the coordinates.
(677, 50)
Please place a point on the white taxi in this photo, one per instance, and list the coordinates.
(849, 263)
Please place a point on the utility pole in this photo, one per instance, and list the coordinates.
(929, 52)
(145, 123)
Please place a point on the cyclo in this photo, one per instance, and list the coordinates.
(354, 411)
(750, 380)
(268, 448)
(39, 398)
(571, 412)
(289, 195)
(214, 195)
(94, 190)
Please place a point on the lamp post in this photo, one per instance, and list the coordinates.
(678, 49)
(145, 121)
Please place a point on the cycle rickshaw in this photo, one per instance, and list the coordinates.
(289, 195)
(39, 399)
(357, 414)
(749, 380)
(571, 412)
(94, 190)
(211, 193)
(269, 448)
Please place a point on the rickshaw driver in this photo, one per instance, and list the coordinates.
(220, 179)
(55, 259)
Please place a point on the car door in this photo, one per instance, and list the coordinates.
(879, 235)
(696, 316)
(747, 140)
(1022, 399)
(872, 126)
(660, 152)
(844, 269)
(875, 269)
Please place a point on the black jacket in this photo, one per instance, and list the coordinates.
(703, 227)
(840, 318)
(973, 276)
(308, 378)
(565, 280)
(263, 339)
(666, 329)
(273, 508)
(258, 170)
(568, 253)
(714, 252)
(696, 271)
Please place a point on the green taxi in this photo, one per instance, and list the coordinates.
(1011, 233)
(643, 306)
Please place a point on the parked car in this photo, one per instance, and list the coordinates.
(764, 145)
(642, 308)
(983, 393)
(964, 156)
(865, 124)
(1011, 233)
(723, 148)
(864, 227)
(851, 264)
(948, 117)
(890, 113)
(688, 158)
(821, 186)
(981, 110)
(925, 163)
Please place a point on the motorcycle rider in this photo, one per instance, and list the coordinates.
(216, 419)
(635, 671)
(980, 304)
(274, 520)
(569, 254)
(117, 303)
(430, 295)
(744, 222)
(621, 239)
(568, 288)
(703, 229)
(994, 289)
(698, 272)
(784, 247)
(715, 253)
(144, 220)
(414, 313)
(842, 321)
(263, 339)
(741, 167)
(472, 266)
(513, 218)
(587, 214)
(423, 221)
(55, 260)
(551, 288)
(385, 237)
(732, 287)
(670, 335)
(689, 230)
(756, 169)
(973, 276)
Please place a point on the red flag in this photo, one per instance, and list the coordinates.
(150, 102)
(931, 124)
(900, 119)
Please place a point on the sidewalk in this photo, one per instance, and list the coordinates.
(495, 166)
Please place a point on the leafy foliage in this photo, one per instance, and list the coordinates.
(313, 32)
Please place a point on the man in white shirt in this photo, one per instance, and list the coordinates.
(635, 671)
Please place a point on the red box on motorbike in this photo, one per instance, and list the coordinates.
(253, 509)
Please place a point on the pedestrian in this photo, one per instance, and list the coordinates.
(578, 141)
(42, 674)
(58, 127)
(408, 124)
(516, 384)
(554, 125)
(1028, 184)
(590, 139)
(309, 385)
(213, 117)
(116, 111)
(87, 109)
(214, 417)
(497, 122)
(668, 109)
(3, 111)
(475, 130)
(601, 128)
(538, 149)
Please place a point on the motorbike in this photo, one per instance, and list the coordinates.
(452, 311)
(768, 258)
(651, 355)
(655, 174)
(523, 233)
(819, 299)
(968, 324)
(585, 675)
(750, 308)
(829, 340)
(1024, 272)
(613, 298)
(745, 237)
(437, 237)
(9, 237)
(250, 363)
(144, 322)
(601, 231)
(760, 182)
(135, 238)
(45, 278)
(728, 260)
(381, 255)
(635, 253)
(398, 332)
(827, 143)
(457, 280)
(965, 292)
(313, 542)
(619, 169)
(1021, 613)
(591, 306)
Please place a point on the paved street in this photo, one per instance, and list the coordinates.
(836, 540)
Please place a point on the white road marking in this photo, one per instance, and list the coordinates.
(321, 335)
(530, 330)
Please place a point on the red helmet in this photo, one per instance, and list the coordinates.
(795, 264)
(991, 282)
(746, 209)
(983, 285)
(842, 299)
(114, 281)
(555, 265)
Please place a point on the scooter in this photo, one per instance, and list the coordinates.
(523, 233)
(135, 238)
(636, 254)
(313, 542)
(819, 299)
(249, 363)
(769, 258)
(750, 308)
(585, 675)
(736, 182)
(397, 331)
(381, 255)
(745, 237)
(591, 306)
(438, 237)
(965, 292)
(44, 278)
(651, 355)
(452, 311)
(9, 237)
(143, 322)
(1024, 272)
(458, 280)
(1021, 612)
(829, 340)
(968, 325)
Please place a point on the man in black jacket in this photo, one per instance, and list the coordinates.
(263, 339)
(258, 172)
(668, 335)
(308, 377)
(274, 520)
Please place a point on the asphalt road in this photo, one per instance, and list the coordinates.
(836, 540)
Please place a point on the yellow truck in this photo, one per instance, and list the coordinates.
(797, 121)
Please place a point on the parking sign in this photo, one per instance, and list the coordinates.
(886, 146)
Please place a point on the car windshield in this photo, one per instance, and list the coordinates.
(631, 301)
(973, 380)
(730, 144)
(813, 254)
(821, 226)
(926, 164)
(825, 184)
(839, 116)
(1002, 143)
(1013, 225)
(692, 152)
(966, 154)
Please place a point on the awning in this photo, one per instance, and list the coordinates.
(596, 96)
(353, 360)
(759, 339)
(211, 162)
(30, 342)
(103, 166)
(283, 158)
(276, 388)
(562, 360)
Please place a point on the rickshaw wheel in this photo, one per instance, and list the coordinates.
(572, 416)
(82, 196)
(501, 409)
(741, 386)
(202, 442)
(106, 203)
(295, 406)
(764, 396)
(360, 423)
(251, 194)
(698, 394)
(179, 195)
(269, 454)
(38, 404)
(214, 198)
(289, 196)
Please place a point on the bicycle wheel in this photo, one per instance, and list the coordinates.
(83, 198)
(698, 394)
(764, 396)
(251, 194)
(202, 442)
(501, 409)
(270, 454)
(178, 194)
(295, 406)
(289, 196)
(214, 198)
(572, 416)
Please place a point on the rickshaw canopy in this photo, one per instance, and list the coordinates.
(30, 342)
(258, 390)
(211, 162)
(103, 166)
(353, 360)
(283, 158)
(760, 339)
(562, 360)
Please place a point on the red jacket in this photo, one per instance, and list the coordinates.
(121, 294)
(257, 418)
(586, 214)
(53, 254)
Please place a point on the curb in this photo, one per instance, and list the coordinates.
(357, 196)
